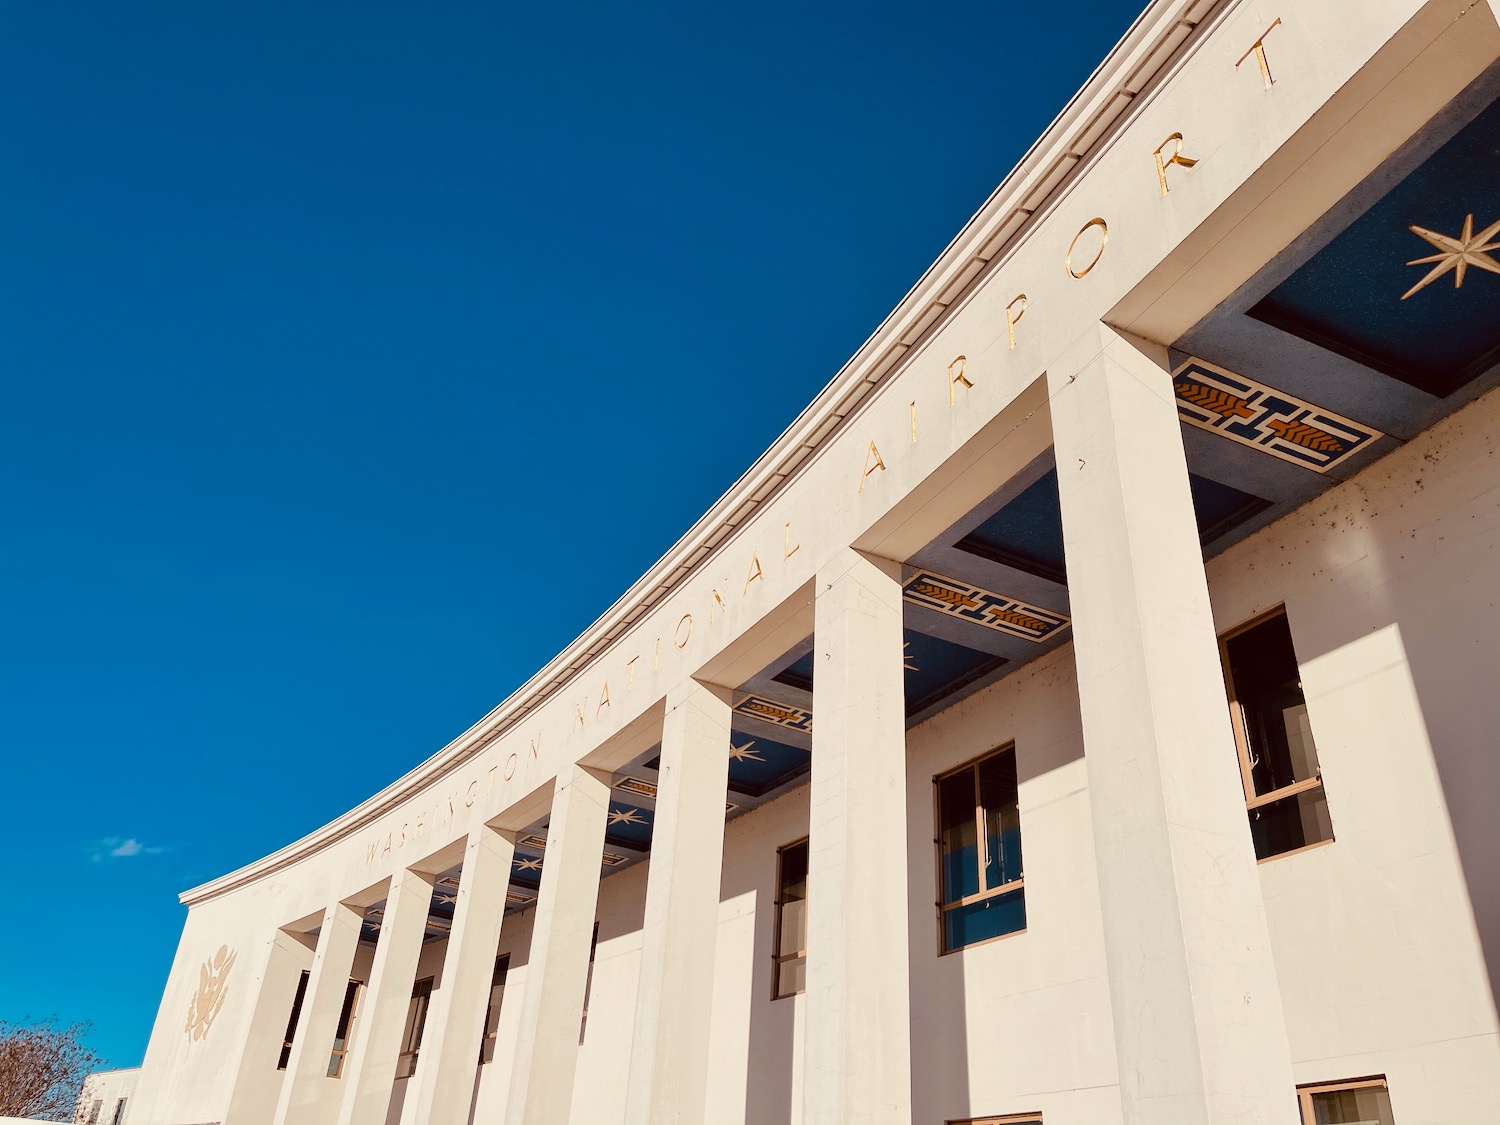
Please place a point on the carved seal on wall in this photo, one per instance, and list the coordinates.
(213, 976)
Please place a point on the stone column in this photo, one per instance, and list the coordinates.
(308, 1095)
(449, 1057)
(1199, 1030)
(669, 1052)
(370, 1069)
(256, 1085)
(857, 1043)
(541, 1085)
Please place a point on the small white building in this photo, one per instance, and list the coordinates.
(1085, 713)
(106, 1095)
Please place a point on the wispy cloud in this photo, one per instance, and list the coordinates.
(116, 847)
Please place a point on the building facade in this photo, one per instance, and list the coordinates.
(1085, 713)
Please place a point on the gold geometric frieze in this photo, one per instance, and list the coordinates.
(636, 786)
(1266, 419)
(213, 982)
(982, 607)
(779, 714)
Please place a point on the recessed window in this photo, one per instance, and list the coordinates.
(789, 967)
(119, 1117)
(93, 1118)
(343, 1038)
(492, 1013)
(979, 852)
(1361, 1101)
(588, 984)
(416, 1023)
(1278, 759)
(291, 1023)
(1014, 1119)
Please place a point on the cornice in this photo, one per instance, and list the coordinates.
(1157, 39)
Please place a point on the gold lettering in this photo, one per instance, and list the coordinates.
(535, 747)
(385, 851)
(471, 793)
(451, 809)
(510, 766)
(787, 550)
(603, 700)
(1258, 49)
(370, 853)
(756, 574)
(489, 783)
(1099, 253)
(402, 842)
(1162, 164)
(630, 671)
(1013, 316)
(717, 601)
(578, 707)
(914, 422)
(656, 656)
(872, 462)
(421, 823)
(962, 364)
(677, 632)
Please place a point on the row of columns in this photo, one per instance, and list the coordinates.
(1199, 1032)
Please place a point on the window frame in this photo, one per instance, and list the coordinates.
(354, 1004)
(1254, 800)
(942, 908)
(499, 975)
(779, 958)
(1004, 1119)
(1305, 1093)
(293, 1019)
(416, 1024)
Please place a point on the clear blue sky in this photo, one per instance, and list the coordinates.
(337, 343)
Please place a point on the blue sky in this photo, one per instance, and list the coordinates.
(337, 343)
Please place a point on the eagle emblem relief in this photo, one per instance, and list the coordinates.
(213, 976)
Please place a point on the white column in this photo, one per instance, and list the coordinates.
(449, 1057)
(669, 1052)
(1199, 1029)
(857, 1045)
(370, 1068)
(308, 1095)
(541, 1085)
(257, 1083)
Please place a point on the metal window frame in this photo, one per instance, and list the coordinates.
(416, 1024)
(1254, 800)
(498, 976)
(1019, 884)
(1305, 1093)
(1008, 1119)
(342, 1053)
(778, 958)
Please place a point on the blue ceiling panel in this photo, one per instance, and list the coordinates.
(1027, 533)
(628, 826)
(758, 765)
(936, 668)
(1359, 295)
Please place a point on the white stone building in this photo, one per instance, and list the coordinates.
(1100, 679)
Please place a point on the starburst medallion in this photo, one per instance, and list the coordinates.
(625, 816)
(745, 753)
(1458, 254)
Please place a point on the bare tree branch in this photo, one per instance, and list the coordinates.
(42, 1068)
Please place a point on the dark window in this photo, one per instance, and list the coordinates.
(790, 966)
(1363, 1101)
(588, 986)
(979, 852)
(119, 1117)
(1278, 760)
(343, 1038)
(416, 1022)
(291, 1023)
(492, 1013)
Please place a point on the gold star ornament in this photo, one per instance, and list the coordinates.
(1457, 254)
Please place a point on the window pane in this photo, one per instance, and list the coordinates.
(291, 1023)
(1268, 688)
(1291, 823)
(791, 977)
(794, 873)
(959, 835)
(1370, 1106)
(1002, 819)
(793, 928)
(980, 921)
